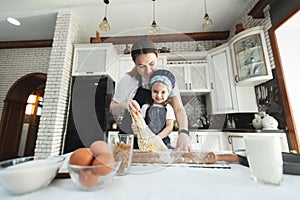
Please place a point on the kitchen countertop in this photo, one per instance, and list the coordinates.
(254, 130)
(240, 130)
(164, 183)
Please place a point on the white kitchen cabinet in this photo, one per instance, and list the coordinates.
(250, 57)
(125, 65)
(225, 95)
(235, 140)
(173, 138)
(94, 59)
(191, 75)
(208, 141)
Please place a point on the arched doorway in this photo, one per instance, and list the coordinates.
(14, 112)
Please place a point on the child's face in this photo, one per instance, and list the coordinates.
(159, 92)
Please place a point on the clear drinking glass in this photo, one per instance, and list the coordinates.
(121, 146)
(265, 159)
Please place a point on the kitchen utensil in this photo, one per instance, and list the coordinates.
(182, 157)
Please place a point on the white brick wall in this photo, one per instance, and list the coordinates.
(16, 63)
(53, 118)
(179, 46)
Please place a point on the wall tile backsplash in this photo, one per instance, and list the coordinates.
(195, 107)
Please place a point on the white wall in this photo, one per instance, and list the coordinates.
(288, 44)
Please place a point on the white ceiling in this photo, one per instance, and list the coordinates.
(126, 17)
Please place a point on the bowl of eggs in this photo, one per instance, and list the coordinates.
(28, 174)
(93, 168)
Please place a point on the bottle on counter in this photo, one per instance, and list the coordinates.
(229, 124)
(233, 124)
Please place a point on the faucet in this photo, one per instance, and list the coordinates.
(205, 121)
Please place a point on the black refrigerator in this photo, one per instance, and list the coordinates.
(88, 118)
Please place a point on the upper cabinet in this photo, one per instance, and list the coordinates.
(125, 65)
(235, 68)
(250, 57)
(94, 59)
(225, 95)
(191, 72)
(191, 76)
(222, 98)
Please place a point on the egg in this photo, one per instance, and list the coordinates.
(98, 147)
(103, 160)
(88, 178)
(82, 157)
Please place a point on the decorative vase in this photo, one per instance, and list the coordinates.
(257, 121)
(269, 123)
(239, 27)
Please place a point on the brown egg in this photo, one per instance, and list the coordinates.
(103, 160)
(98, 147)
(88, 178)
(82, 157)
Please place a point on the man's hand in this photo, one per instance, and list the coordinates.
(183, 143)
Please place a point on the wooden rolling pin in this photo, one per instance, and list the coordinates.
(182, 157)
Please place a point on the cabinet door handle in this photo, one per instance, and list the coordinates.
(190, 84)
(236, 78)
(229, 139)
(186, 86)
(212, 85)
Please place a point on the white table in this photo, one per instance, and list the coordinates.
(174, 183)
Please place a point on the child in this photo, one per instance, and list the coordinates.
(158, 113)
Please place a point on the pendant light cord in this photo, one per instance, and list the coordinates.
(153, 10)
(106, 4)
(105, 10)
(205, 6)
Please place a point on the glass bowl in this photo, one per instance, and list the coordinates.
(93, 177)
(28, 174)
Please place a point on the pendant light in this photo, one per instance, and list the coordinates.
(207, 22)
(154, 28)
(104, 25)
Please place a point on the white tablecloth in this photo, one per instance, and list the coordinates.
(174, 183)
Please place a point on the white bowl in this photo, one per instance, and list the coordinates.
(23, 175)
